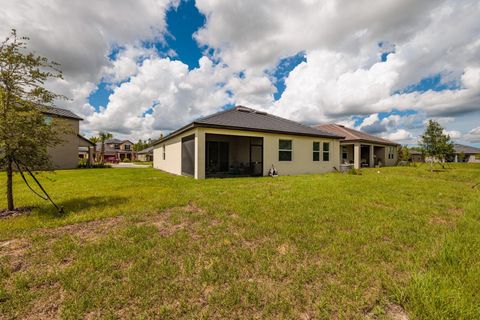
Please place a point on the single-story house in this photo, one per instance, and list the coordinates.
(117, 150)
(416, 156)
(65, 154)
(465, 153)
(145, 155)
(362, 149)
(245, 142)
(86, 149)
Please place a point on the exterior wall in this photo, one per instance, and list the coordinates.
(473, 159)
(380, 151)
(173, 154)
(302, 152)
(65, 154)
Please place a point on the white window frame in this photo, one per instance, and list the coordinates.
(326, 152)
(317, 152)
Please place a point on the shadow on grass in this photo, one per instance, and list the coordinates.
(75, 205)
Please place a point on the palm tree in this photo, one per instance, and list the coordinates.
(95, 140)
(103, 136)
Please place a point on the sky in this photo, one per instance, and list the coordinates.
(143, 68)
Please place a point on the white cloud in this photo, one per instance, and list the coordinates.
(161, 96)
(80, 34)
(473, 136)
(401, 136)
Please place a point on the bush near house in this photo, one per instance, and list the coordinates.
(388, 243)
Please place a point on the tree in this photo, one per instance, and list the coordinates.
(435, 144)
(103, 136)
(25, 134)
(403, 153)
(94, 140)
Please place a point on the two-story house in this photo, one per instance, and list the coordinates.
(117, 150)
(65, 155)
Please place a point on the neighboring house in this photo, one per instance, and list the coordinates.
(246, 142)
(470, 154)
(145, 155)
(117, 150)
(362, 149)
(416, 156)
(65, 154)
(86, 150)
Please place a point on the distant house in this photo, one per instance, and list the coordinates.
(145, 155)
(362, 149)
(65, 155)
(117, 150)
(416, 156)
(246, 142)
(466, 153)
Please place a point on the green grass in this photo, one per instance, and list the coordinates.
(139, 243)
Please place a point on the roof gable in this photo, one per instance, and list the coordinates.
(459, 148)
(352, 134)
(243, 118)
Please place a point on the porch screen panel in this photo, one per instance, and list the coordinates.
(188, 155)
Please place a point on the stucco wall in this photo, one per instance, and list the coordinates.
(65, 154)
(302, 158)
(173, 154)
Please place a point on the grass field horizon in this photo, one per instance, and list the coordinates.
(140, 243)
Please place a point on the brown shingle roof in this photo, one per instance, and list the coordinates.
(243, 118)
(459, 148)
(353, 135)
(59, 112)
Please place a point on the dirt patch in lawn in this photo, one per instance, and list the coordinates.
(396, 312)
(5, 213)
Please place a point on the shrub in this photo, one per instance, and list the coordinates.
(83, 164)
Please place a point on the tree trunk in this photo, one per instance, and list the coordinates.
(10, 184)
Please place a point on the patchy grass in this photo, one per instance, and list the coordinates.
(392, 243)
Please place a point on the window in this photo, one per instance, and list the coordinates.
(326, 151)
(344, 153)
(391, 152)
(127, 147)
(117, 147)
(316, 151)
(163, 152)
(285, 150)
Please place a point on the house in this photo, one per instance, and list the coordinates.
(145, 155)
(246, 142)
(416, 156)
(466, 153)
(362, 149)
(65, 154)
(116, 150)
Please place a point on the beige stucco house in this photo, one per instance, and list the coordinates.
(65, 155)
(361, 149)
(465, 153)
(246, 142)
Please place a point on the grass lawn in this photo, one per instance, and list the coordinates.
(139, 243)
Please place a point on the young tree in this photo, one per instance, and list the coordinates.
(403, 153)
(94, 140)
(25, 135)
(435, 144)
(103, 136)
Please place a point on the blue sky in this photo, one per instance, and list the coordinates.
(146, 67)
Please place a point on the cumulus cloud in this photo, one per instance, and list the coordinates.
(161, 96)
(473, 135)
(400, 136)
(80, 35)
